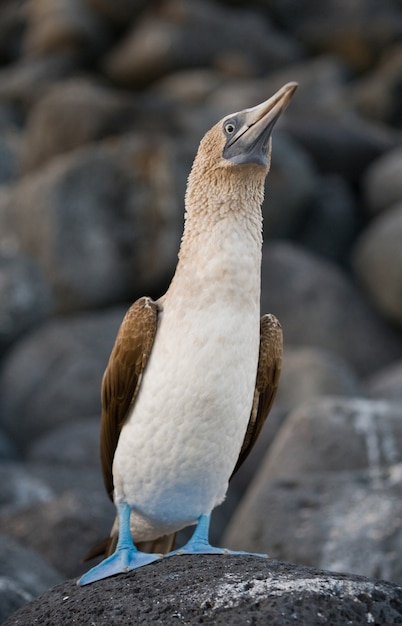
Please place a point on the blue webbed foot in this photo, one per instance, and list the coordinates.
(123, 560)
(199, 543)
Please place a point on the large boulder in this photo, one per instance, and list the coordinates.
(344, 521)
(330, 219)
(375, 94)
(309, 372)
(336, 434)
(377, 260)
(8, 450)
(341, 144)
(329, 491)
(25, 298)
(219, 590)
(78, 518)
(19, 488)
(23, 82)
(386, 383)
(319, 306)
(382, 181)
(291, 186)
(181, 35)
(12, 597)
(355, 31)
(321, 88)
(73, 113)
(23, 576)
(53, 375)
(103, 222)
(11, 146)
(12, 25)
(72, 443)
(120, 12)
(55, 26)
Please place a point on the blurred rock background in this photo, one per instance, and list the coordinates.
(102, 106)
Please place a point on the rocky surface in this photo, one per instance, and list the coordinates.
(345, 521)
(23, 575)
(319, 305)
(378, 262)
(219, 590)
(309, 373)
(382, 182)
(102, 106)
(99, 195)
(53, 375)
(335, 471)
(386, 383)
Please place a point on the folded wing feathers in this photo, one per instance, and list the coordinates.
(122, 377)
(267, 380)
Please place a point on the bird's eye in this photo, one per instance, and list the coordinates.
(229, 128)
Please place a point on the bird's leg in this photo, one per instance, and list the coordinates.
(199, 542)
(126, 556)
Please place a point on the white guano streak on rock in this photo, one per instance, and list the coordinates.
(369, 419)
(355, 527)
(235, 590)
(367, 512)
(7, 585)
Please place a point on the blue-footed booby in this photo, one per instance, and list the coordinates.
(192, 376)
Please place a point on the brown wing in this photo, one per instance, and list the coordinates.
(122, 377)
(268, 373)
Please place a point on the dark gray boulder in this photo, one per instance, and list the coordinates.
(375, 95)
(382, 182)
(318, 305)
(19, 488)
(64, 529)
(329, 491)
(10, 157)
(26, 567)
(106, 218)
(290, 189)
(354, 31)
(71, 27)
(23, 576)
(47, 507)
(321, 87)
(12, 597)
(75, 444)
(8, 450)
(195, 34)
(330, 221)
(77, 111)
(220, 591)
(386, 383)
(309, 372)
(335, 434)
(120, 12)
(377, 260)
(344, 521)
(25, 297)
(53, 375)
(343, 145)
(21, 83)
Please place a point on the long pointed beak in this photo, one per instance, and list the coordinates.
(249, 142)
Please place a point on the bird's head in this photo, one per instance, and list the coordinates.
(244, 138)
(233, 159)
